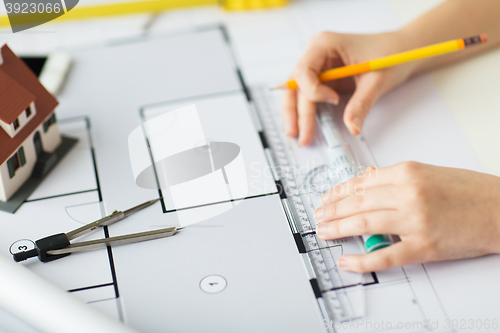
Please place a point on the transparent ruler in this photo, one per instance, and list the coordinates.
(305, 173)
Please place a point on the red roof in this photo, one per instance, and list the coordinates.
(14, 99)
(45, 103)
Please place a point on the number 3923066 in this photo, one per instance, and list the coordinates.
(32, 8)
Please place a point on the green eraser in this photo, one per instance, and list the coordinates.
(375, 242)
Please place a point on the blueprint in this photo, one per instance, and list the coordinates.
(115, 88)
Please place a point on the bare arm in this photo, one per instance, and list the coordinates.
(452, 20)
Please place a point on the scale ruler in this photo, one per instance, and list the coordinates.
(299, 208)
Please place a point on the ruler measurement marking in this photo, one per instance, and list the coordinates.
(328, 279)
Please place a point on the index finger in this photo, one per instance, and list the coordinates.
(289, 101)
(370, 178)
(306, 121)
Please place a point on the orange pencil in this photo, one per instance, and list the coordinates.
(393, 60)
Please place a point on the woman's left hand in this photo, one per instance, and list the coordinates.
(439, 213)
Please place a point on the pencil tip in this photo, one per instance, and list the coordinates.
(282, 86)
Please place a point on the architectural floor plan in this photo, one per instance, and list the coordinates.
(246, 245)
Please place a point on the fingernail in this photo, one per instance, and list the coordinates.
(324, 197)
(319, 213)
(342, 262)
(321, 230)
(302, 140)
(356, 122)
(333, 101)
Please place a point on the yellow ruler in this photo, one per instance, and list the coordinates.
(127, 8)
(252, 4)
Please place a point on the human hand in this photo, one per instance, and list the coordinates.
(439, 213)
(329, 50)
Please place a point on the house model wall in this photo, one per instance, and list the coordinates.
(28, 126)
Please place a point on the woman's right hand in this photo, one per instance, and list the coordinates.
(329, 50)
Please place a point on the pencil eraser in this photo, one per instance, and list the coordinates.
(484, 38)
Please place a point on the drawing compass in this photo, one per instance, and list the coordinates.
(58, 246)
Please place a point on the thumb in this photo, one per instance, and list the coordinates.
(313, 89)
(368, 91)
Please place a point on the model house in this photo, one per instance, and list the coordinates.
(29, 132)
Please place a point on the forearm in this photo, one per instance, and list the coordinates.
(453, 19)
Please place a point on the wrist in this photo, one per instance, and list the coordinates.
(492, 197)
